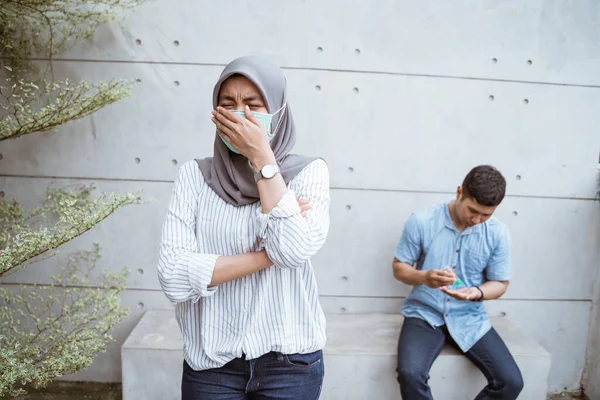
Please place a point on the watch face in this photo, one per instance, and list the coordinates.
(268, 171)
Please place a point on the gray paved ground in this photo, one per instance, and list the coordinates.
(93, 391)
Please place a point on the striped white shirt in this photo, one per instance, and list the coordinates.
(275, 309)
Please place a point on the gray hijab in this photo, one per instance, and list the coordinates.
(230, 175)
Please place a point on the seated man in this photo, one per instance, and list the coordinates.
(462, 258)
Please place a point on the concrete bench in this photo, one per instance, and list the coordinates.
(360, 360)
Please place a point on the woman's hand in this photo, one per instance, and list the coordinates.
(248, 136)
(304, 205)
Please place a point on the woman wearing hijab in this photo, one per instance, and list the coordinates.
(236, 245)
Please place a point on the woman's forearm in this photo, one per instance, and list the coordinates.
(229, 268)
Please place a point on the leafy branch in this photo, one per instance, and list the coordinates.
(66, 102)
(57, 329)
(27, 235)
(43, 28)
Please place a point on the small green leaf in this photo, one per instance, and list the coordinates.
(8, 68)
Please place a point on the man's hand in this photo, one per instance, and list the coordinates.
(470, 293)
(435, 278)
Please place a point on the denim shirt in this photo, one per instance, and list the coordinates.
(479, 253)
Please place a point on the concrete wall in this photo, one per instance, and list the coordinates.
(591, 381)
(402, 98)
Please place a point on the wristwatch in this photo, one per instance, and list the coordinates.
(267, 172)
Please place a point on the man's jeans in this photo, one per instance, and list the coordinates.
(274, 376)
(420, 344)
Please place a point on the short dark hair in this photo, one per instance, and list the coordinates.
(485, 184)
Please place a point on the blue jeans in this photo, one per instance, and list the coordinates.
(420, 344)
(274, 376)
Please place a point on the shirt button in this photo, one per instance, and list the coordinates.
(458, 250)
(446, 315)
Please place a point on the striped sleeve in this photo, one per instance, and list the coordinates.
(290, 239)
(184, 273)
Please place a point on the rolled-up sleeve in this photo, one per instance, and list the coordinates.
(289, 238)
(183, 272)
(408, 249)
(499, 265)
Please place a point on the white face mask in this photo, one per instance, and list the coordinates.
(264, 118)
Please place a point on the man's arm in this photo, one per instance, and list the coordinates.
(408, 252)
(432, 278)
(407, 274)
(491, 290)
(498, 273)
(498, 270)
